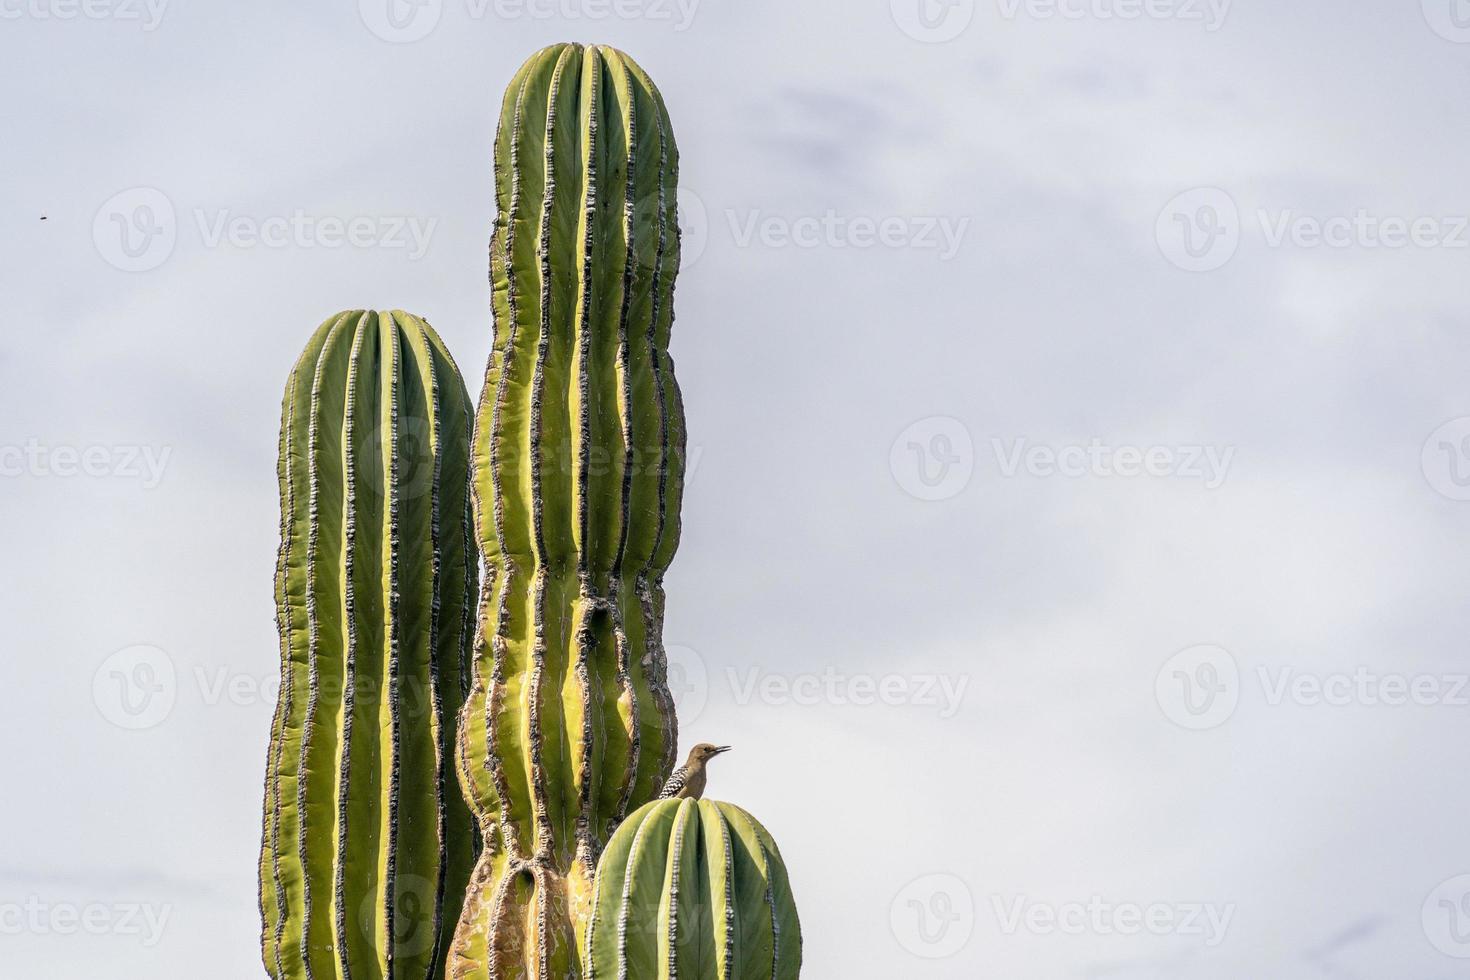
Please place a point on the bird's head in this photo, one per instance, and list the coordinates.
(703, 752)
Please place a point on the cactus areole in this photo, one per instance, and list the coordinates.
(367, 843)
(693, 889)
(578, 472)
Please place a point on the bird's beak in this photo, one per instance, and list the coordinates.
(722, 749)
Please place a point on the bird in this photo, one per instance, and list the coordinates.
(687, 782)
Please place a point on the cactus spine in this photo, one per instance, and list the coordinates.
(695, 890)
(367, 844)
(578, 469)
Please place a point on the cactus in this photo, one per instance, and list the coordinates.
(367, 843)
(693, 889)
(578, 469)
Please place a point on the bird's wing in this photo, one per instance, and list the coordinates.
(676, 783)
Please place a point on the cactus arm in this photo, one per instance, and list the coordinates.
(372, 590)
(573, 444)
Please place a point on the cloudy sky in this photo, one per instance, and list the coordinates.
(1077, 391)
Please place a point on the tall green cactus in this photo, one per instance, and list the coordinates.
(367, 843)
(578, 463)
(695, 890)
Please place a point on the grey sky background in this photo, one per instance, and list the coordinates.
(1113, 645)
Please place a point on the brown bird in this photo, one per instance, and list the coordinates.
(687, 782)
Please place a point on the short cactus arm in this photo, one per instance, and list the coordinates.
(694, 890)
